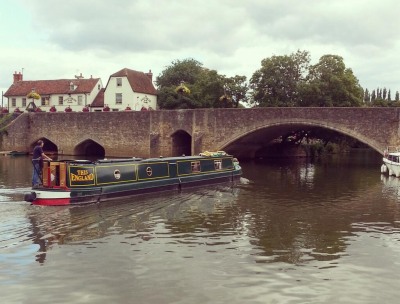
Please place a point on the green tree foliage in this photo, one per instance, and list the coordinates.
(276, 82)
(329, 83)
(187, 70)
(290, 81)
(367, 96)
(235, 89)
(205, 88)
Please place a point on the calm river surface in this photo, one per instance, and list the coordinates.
(299, 232)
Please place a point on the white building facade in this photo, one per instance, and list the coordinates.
(129, 89)
(53, 95)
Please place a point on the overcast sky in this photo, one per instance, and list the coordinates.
(57, 39)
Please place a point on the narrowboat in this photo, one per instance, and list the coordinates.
(70, 182)
(391, 161)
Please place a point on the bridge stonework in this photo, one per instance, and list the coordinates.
(238, 131)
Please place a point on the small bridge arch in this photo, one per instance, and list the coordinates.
(49, 147)
(91, 148)
(181, 143)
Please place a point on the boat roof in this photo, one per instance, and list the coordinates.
(136, 159)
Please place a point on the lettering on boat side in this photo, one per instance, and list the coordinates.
(81, 176)
(149, 171)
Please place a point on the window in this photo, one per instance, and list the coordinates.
(118, 98)
(196, 166)
(24, 102)
(119, 82)
(43, 103)
(98, 87)
(79, 100)
(60, 100)
(13, 102)
(218, 164)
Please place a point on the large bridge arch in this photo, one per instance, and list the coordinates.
(248, 142)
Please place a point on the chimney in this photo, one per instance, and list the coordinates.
(150, 75)
(17, 77)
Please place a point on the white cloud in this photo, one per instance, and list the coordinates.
(59, 39)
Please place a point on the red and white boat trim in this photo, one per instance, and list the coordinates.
(52, 198)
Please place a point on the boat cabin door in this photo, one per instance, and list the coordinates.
(54, 174)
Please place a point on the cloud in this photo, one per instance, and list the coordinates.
(53, 39)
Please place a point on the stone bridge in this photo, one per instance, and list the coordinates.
(241, 132)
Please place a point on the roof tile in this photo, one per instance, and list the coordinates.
(139, 81)
(48, 87)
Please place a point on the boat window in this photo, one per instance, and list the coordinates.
(217, 164)
(196, 166)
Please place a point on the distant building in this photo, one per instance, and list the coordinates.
(125, 90)
(60, 94)
(130, 89)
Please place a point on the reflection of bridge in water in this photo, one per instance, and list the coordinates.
(277, 231)
(241, 132)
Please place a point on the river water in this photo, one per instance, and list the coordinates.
(300, 232)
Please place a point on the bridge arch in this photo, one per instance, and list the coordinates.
(249, 141)
(181, 143)
(89, 147)
(49, 147)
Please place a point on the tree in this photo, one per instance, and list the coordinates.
(205, 87)
(236, 88)
(373, 96)
(367, 97)
(181, 72)
(384, 93)
(379, 93)
(276, 82)
(187, 70)
(330, 83)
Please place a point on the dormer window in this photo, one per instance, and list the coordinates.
(71, 86)
(119, 82)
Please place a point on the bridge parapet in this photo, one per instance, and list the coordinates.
(151, 133)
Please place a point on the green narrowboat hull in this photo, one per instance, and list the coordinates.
(70, 182)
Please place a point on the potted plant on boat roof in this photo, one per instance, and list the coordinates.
(53, 109)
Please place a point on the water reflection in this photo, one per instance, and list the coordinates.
(297, 231)
(181, 216)
(287, 214)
